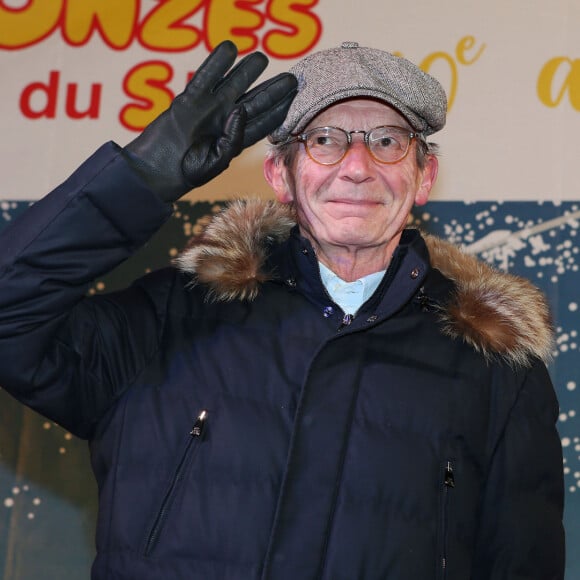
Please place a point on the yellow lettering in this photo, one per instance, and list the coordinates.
(164, 29)
(233, 19)
(304, 27)
(428, 63)
(571, 82)
(114, 19)
(20, 27)
(147, 84)
(465, 44)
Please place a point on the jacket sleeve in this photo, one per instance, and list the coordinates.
(521, 531)
(57, 349)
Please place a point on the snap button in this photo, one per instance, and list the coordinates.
(328, 312)
(415, 273)
(291, 282)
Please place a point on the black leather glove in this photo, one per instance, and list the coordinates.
(210, 123)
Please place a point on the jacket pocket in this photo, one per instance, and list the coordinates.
(446, 487)
(156, 529)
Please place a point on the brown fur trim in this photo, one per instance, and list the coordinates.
(229, 255)
(498, 314)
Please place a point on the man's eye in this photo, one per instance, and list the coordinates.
(323, 140)
(386, 142)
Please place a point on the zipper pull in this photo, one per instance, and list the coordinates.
(199, 425)
(449, 480)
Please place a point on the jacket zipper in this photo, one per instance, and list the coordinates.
(448, 485)
(194, 437)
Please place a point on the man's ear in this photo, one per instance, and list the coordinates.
(276, 174)
(428, 178)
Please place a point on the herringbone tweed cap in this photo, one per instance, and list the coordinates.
(335, 74)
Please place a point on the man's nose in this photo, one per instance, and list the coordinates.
(357, 164)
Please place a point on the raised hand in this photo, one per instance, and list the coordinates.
(210, 122)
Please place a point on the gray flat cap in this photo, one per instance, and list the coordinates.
(335, 74)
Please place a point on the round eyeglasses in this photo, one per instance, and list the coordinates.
(329, 145)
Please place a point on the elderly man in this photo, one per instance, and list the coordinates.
(314, 391)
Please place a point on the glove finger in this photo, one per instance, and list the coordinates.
(201, 166)
(231, 142)
(267, 109)
(213, 68)
(268, 93)
(241, 77)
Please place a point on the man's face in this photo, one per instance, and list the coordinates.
(359, 202)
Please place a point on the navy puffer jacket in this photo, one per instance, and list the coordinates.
(241, 428)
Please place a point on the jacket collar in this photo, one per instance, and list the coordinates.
(498, 314)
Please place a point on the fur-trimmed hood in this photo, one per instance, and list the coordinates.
(497, 313)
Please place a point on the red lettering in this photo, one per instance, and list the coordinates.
(92, 112)
(48, 91)
(40, 99)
